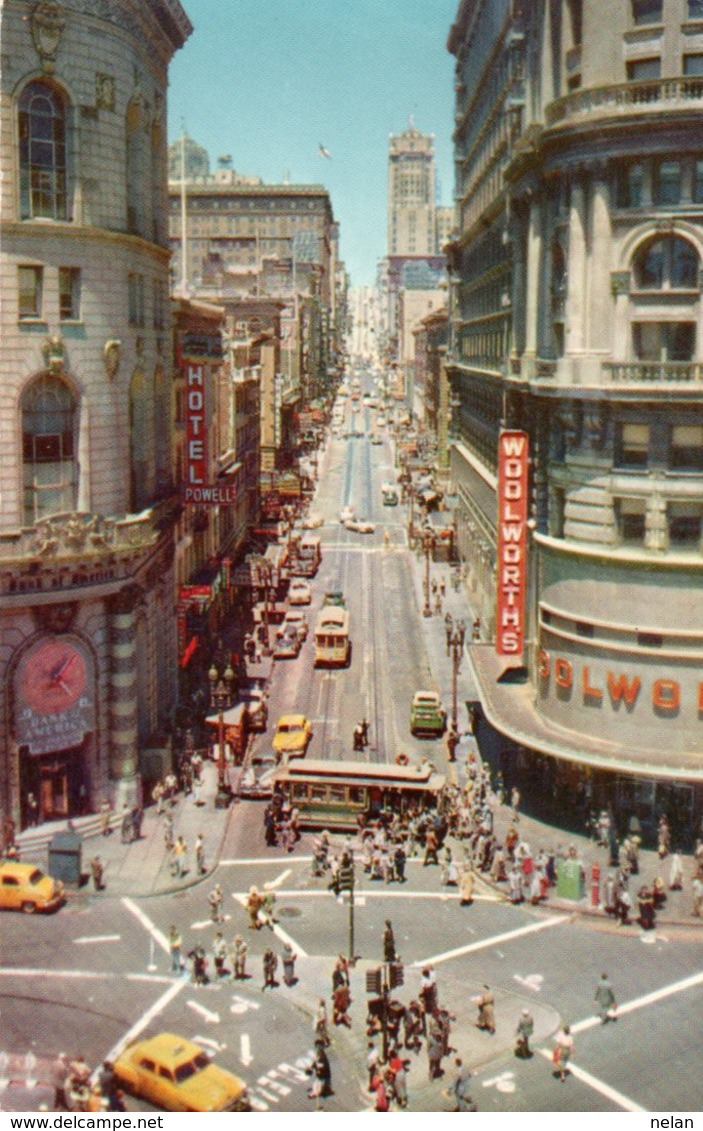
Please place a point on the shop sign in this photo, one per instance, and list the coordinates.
(216, 495)
(665, 695)
(513, 486)
(196, 429)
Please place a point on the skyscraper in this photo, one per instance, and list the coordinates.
(411, 193)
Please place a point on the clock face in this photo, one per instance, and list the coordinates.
(53, 677)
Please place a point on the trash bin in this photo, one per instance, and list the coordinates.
(570, 880)
(65, 857)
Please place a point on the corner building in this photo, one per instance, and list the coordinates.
(87, 651)
(576, 315)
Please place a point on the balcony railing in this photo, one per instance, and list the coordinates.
(627, 98)
(645, 372)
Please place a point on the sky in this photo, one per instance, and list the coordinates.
(268, 81)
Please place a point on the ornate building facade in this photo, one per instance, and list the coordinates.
(576, 315)
(87, 657)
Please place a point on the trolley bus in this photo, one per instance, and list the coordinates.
(335, 794)
(332, 643)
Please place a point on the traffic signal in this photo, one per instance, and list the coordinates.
(346, 876)
(396, 974)
(373, 981)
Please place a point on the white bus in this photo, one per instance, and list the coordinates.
(332, 643)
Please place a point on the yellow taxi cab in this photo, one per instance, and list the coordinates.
(293, 734)
(176, 1075)
(24, 887)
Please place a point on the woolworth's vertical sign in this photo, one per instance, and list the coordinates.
(513, 487)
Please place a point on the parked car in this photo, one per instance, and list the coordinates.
(293, 734)
(299, 592)
(24, 887)
(360, 525)
(427, 715)
(257, 707)
(334, 597)
(177, 1075)
(312, 521)
(296, 621)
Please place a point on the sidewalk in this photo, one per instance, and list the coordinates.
(537, 833)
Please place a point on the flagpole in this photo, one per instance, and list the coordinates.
(184, 219)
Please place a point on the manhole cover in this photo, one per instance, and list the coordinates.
(288, 912)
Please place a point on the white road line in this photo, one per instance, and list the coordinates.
(98, 975)
(278, 860)
(204, 1012)
(96, 938)
(284, 937)
(157, 935)
(146, 1018)
(278, 881)
(245, 1050)
(483, 944)
(641, 1002)
(326, 893)
(598, 1085)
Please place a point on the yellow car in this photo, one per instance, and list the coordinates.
(293, 734)
(24, 887)
(176, 1075)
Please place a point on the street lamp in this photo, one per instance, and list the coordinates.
(220, 699)
(427, 546)
(456, 634)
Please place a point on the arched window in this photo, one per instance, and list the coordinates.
(50, 473)
(42, 136)
(667, 263)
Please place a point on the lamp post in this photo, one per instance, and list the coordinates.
(427, 545)
(456, 634)
(220, 699)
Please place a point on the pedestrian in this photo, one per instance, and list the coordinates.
(219, 955)
(239, 958)
(105, 815)
(253, 905)
(340, 973)
(525, 1029)
(515, 802)
(200, 855)
(179, 862)
(605, 1000)
(108, 1082)
(270, 964)
(431, 847)
(428, 990)
(486, 1011)
(399, 859)
(321, 1030)
(434, 1054)
(157, 796)
(373, 1058)
(697, 894)
(289, 956)
(389, 953)
(397, 1076)
(215, 901)
(97, 871)
(126, 830)
(442, 587)
(137, 818)
(323, 1070)
(438, 604)
(460, 1087)
(341, 1000)
(645, 901)
(199, 972)
(563, 1051)
(364, 724)
(175, 943)
(168, 831)
(466, 885)
(676, 873)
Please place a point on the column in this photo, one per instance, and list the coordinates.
(533, 287)
(124, 756)
(576, 272)
(600, 298)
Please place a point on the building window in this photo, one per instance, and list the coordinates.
(632, 445)
(697, 186)
(631, 518)
(69, 294)
(686, 447)
(664, 341)
(667, 183)
(135, 286)
(695, 9)
(665, 264)
(640, 70)
(42, 138)
(630, 187)
(693, 64)
(29, 292)
(48, 444)
(647, 11)
(684, 521)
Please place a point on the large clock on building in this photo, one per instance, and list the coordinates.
(53, 676)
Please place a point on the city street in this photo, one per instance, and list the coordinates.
(97, 975)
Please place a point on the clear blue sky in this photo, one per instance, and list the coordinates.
(268, 80)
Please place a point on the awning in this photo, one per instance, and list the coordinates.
(508, 707)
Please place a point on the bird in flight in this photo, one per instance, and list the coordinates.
(324, 152)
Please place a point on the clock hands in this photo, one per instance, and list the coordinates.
(60, 671)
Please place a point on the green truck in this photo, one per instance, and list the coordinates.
(427, 715)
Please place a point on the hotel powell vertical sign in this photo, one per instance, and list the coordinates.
(513, 484)
(197, 490)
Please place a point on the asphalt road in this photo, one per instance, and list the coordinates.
(97, 974)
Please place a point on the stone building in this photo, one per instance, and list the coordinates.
(576, 315)
(87, 658)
